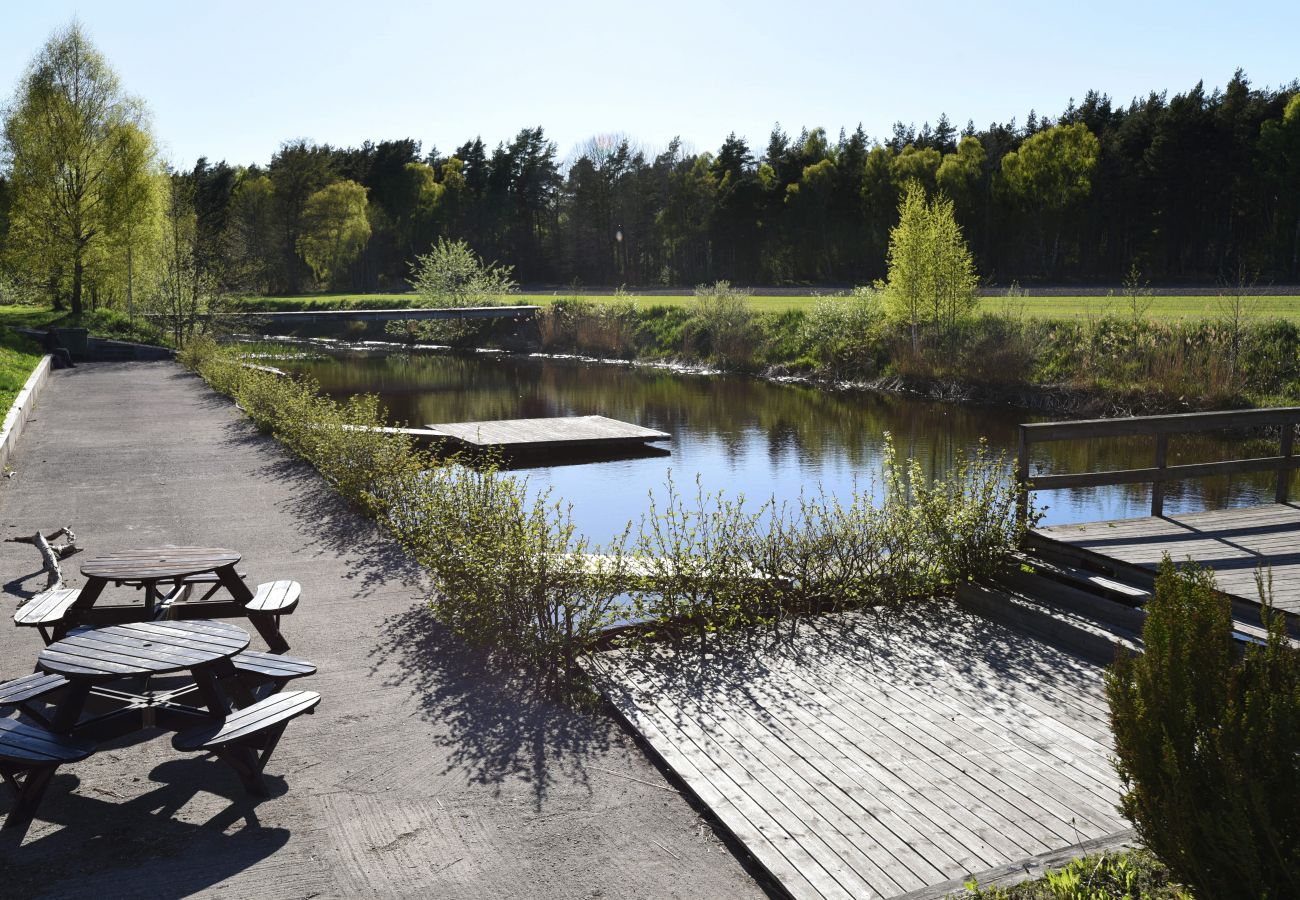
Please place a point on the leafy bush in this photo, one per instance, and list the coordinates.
(845, 336)
(718, 563)
(451, 274)
(724, 325)
(1135, 875)
(1206, 743)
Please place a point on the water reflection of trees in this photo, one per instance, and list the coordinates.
(814, 425)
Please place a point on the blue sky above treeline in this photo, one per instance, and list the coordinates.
(233, 80)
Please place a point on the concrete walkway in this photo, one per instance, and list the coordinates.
(422, 773)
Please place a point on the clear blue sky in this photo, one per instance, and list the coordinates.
(234, 79)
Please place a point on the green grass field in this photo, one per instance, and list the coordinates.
(1042, 307)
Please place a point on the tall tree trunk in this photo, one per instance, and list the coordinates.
(77, 271)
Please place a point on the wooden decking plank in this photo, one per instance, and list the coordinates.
(912, 749)
(904, 842)
(939, 773)
(767, 841)
(849, 865)
(828, 801)
(1232, 542)
(1087, 726)
(865, 738)
(866, 772)
(547, 433)
(1020, 801)
(983, 728)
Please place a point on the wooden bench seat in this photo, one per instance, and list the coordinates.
(275, 597)
(46, 610)
(275, 669)
(20, 692)
(246, 739)
(28, 757)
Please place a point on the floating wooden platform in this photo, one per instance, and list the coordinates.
(883, 753)
(548, 435)
(1233, 542)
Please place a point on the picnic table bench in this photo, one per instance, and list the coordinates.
(56, 612)
(216, 710)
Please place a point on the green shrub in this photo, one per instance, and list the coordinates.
(1206, 743)
(724, 326)
(1133, 875)
(846, 336)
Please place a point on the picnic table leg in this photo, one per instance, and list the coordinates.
(264, 622)
(30, 792)
(211, 694)
(224, 672)
(69, 709)
(85, 600)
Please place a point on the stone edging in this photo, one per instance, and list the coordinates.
(24, 403)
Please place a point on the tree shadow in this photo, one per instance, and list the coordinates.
(114, 847)
(930, 652)
(497, 724)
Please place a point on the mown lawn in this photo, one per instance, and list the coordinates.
(1042, 307)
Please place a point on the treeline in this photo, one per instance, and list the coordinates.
(1202, 186)
(1198, 187)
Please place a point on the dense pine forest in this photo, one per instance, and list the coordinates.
(1202, 186)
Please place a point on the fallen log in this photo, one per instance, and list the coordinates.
(51, 553)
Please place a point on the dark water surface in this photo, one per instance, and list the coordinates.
(752, 437)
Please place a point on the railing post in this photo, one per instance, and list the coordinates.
(1284, 470)
(1022, 477)
(1158, 486)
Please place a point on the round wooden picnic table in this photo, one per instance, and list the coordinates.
(91, 657)
(149, 567)
(155, 564)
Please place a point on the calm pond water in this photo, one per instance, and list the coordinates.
(747, 436)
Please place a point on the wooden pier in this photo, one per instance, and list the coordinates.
(549, 435)
(883, 753)
(1235, 543)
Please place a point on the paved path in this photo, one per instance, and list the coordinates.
(422, 774)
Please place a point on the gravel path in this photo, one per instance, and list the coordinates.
(422, 773)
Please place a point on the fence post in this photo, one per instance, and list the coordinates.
(1022, 477)
(1158, 486)
(1284, 470)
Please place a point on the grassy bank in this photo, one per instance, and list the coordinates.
(1161, 309)
(18, 359)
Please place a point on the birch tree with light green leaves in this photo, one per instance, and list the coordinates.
(80, 159)
(932, 279)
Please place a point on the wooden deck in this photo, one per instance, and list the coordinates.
(879, 753)
(549, 434)
(1233, 542)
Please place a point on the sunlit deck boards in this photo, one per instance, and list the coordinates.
(1232, 541)
(875, 754)
(548, 435)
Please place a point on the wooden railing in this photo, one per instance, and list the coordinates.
(1160, 427)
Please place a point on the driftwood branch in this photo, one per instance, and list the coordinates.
(51, 553)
